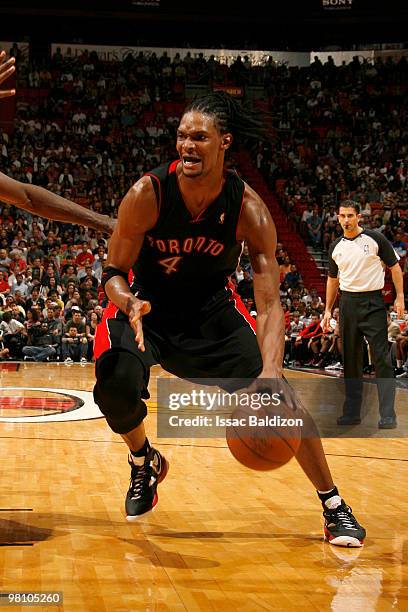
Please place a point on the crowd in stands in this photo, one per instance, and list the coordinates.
(341, 133)
(88, 130)
(50, 295)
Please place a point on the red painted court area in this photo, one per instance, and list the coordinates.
(35, 403)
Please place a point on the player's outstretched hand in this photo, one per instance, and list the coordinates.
(138, 310)
(6, 70)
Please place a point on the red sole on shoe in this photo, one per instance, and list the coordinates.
(344, 541)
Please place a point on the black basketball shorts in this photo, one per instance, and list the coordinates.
(217, 340)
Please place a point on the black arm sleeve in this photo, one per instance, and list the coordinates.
(333, 270)
(109, 272)
(385, 250)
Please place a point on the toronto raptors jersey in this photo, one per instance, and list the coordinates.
(185, 260)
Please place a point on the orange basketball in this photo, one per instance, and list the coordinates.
(263, 440)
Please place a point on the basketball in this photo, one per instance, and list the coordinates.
(261, 439)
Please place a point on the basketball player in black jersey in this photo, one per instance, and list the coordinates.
(181, 228)
(186, 218)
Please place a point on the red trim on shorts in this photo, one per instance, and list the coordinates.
(102, 340)
(240, 307)
(173, 166)
(131, 277)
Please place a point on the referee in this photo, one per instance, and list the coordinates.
(356, 264)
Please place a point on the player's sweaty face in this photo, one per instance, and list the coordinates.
(199, 144)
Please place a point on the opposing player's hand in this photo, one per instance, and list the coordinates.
(325, 324)
(6, 70)
(138, 310)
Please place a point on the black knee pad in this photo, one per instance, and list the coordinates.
(121, 382)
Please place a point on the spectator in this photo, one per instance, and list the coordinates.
(307, 340)
(55, 325)
(314, 226)
(73, 303)
(85, 256)
(4, 286)
(91, 324)
(245, 287)
(99, 263)
(293, 277)
(284, 267)
(34, 299)
(69, 276)
(393, 329)
(295, 327)
(88, 273)
(37, 270)
(77, 320)
(74, 346)
(19, 285)
(13, 334)
(18, 313)
(5, 261)
(399, 245)
(41, 344)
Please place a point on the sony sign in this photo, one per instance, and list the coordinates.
(337, 4)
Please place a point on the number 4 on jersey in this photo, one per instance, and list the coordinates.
(170, 264)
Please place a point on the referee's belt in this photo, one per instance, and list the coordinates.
(361, 293)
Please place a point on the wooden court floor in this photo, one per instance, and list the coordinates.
(222, 537)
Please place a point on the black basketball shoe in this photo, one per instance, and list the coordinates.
(341, 528)
(142, 495)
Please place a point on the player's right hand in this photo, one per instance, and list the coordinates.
(138, 310)
(325, 324)
(6, 70)
(275, 386)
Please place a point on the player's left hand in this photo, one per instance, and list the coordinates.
(399, 306)
(6, 70)
(138, 310)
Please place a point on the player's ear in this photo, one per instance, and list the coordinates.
(227, 140)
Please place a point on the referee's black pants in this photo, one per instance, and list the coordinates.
(364, 314)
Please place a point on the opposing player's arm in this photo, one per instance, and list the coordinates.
(138, 213)
(257, 228)
(40, 201)
(44, 203)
